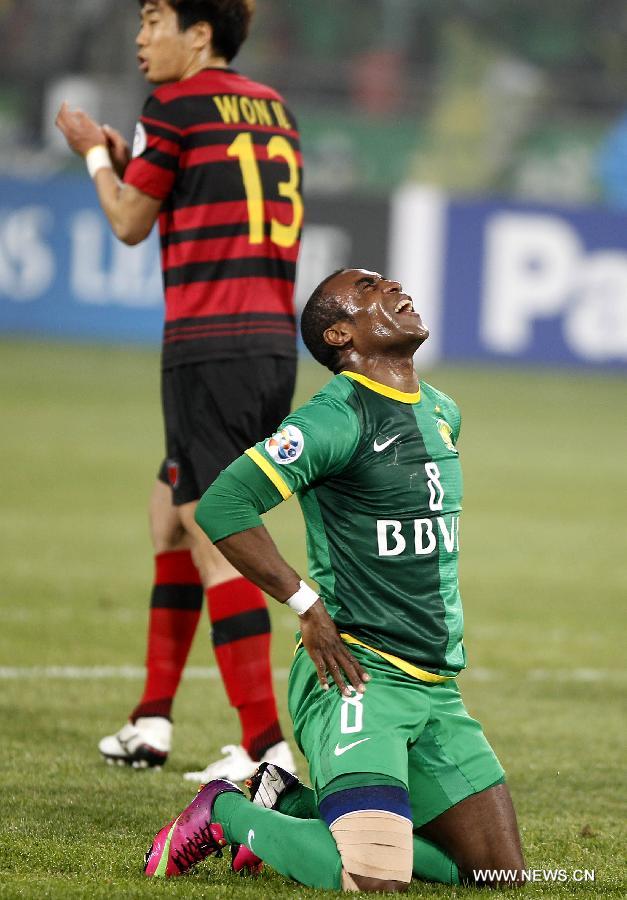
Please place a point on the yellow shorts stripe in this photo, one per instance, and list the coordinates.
(401, 664)
(270, 471)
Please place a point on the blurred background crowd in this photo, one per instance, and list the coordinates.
(522, 99)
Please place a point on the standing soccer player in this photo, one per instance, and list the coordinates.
(216, 160)
(404, 781)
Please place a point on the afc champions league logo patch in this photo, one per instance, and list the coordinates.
(140, 141)
(286, 445)
(174, 473)
(446, 432)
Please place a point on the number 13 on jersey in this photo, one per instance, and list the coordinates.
(278, 147)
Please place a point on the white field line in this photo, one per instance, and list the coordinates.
(211, 673)
(105, 673)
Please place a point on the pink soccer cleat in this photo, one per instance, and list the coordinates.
(190, 838)
(244, 861)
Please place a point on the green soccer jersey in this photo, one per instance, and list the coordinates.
(378, 478)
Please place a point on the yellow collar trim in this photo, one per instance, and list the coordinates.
(401, 396)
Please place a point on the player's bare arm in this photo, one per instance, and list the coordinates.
(254, 554)
(130, 212)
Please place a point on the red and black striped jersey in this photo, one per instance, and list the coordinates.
(223, 154)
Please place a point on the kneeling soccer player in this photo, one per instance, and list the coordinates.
(404, 780)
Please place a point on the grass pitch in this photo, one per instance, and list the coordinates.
(543, 580)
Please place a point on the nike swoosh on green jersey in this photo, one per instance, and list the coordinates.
(377, 447)
(339, 750)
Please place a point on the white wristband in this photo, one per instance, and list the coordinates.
(302, 599)
(97, 158)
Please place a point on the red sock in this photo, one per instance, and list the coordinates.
(241, 638)
(175, 607)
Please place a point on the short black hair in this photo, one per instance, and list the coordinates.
(229, 20)
(322, 310)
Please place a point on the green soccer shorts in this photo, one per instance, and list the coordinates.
(416, 733)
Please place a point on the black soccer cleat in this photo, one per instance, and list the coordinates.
(269, 783)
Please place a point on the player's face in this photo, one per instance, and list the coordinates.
(383, 316)
(163, 50)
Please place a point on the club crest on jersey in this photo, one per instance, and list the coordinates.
(174, 473)
(286, 445)
(446, 432)
(140, 140)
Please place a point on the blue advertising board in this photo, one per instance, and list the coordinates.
(534, 284)
(62, 273)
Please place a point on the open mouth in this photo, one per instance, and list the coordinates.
(405, 304)
(143, 64)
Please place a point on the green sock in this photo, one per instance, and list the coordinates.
(430, 863)
(302, 849)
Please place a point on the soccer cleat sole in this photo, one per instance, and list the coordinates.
(143, 758)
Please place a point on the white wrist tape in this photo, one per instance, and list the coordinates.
(302, 599)
(97, 158)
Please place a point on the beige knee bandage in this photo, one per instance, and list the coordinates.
(375, 845)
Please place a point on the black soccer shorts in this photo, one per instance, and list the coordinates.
(215, 410)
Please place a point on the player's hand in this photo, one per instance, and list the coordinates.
(119, 150)
(329, 653)
(80, 132)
